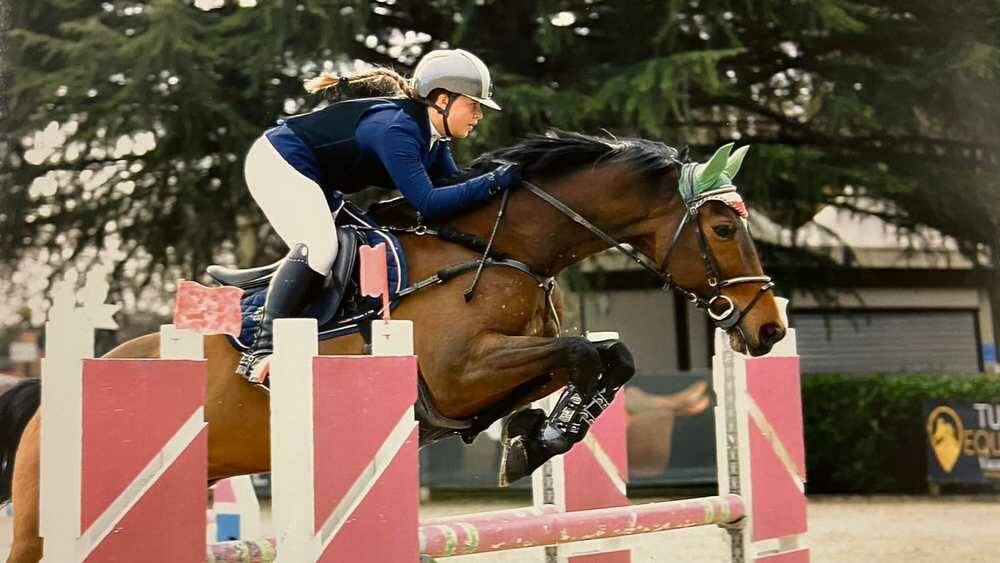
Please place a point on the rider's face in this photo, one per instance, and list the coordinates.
(465, 113)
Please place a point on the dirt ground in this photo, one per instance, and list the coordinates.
(841, 529)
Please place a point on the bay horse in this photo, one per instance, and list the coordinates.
(583, 194)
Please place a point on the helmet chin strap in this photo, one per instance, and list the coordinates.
(444, 112)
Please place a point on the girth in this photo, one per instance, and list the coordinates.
(491, 258)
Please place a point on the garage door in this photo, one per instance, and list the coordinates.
(888, 341)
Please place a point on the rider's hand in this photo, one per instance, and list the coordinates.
(507, 176)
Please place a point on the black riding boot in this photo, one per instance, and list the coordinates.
(530, 438)
(285, 297)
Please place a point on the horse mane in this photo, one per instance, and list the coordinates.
(558, 152)
(552, 154)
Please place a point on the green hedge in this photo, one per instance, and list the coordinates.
(865, 434)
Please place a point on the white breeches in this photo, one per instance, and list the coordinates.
(293, 204)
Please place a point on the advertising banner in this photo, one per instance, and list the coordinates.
(963, 442)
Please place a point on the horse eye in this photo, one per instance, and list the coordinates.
(725, 230)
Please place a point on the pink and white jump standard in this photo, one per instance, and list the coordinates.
(124, 450)
(344, 466)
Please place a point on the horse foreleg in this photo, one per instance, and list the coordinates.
(27, 545)
(530, 438)
(494, 365)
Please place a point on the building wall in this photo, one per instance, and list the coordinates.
(648, 324)
(645, 321)
(923, 298)
(898, 298)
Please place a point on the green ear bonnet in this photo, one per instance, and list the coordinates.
(697, 181)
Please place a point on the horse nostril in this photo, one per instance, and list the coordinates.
(771, 333)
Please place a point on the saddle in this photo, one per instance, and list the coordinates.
(323, 302)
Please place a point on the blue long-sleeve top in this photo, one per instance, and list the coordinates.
(379, 142)
(403, 149)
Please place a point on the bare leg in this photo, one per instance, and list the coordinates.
(690, 401)
(651, 424)
(650, 437)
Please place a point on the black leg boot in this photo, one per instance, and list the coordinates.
(530, 438)
(285, 297)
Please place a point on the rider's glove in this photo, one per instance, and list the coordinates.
(505, 177)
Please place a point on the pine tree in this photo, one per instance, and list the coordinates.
(156, 101)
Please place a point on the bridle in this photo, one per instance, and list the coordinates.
(731, 314)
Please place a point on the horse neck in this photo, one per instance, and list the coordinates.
(534, 232)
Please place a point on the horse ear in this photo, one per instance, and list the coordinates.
(707, 174)
(735, 161)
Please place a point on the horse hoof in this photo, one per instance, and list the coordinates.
(522, 423)
(515, 461)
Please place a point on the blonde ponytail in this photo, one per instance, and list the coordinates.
(380, 81)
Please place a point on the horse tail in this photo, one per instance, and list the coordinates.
(17, 406)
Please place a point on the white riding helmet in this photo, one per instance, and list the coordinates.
(457, 71)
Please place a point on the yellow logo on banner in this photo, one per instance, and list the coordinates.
(945, 431)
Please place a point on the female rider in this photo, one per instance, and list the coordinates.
(298, 171)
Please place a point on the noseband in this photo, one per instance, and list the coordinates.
(731, 315)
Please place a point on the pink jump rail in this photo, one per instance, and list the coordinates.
(548, 526)
(531, 527)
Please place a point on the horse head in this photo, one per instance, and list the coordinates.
(710, 255)
(683, 221)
